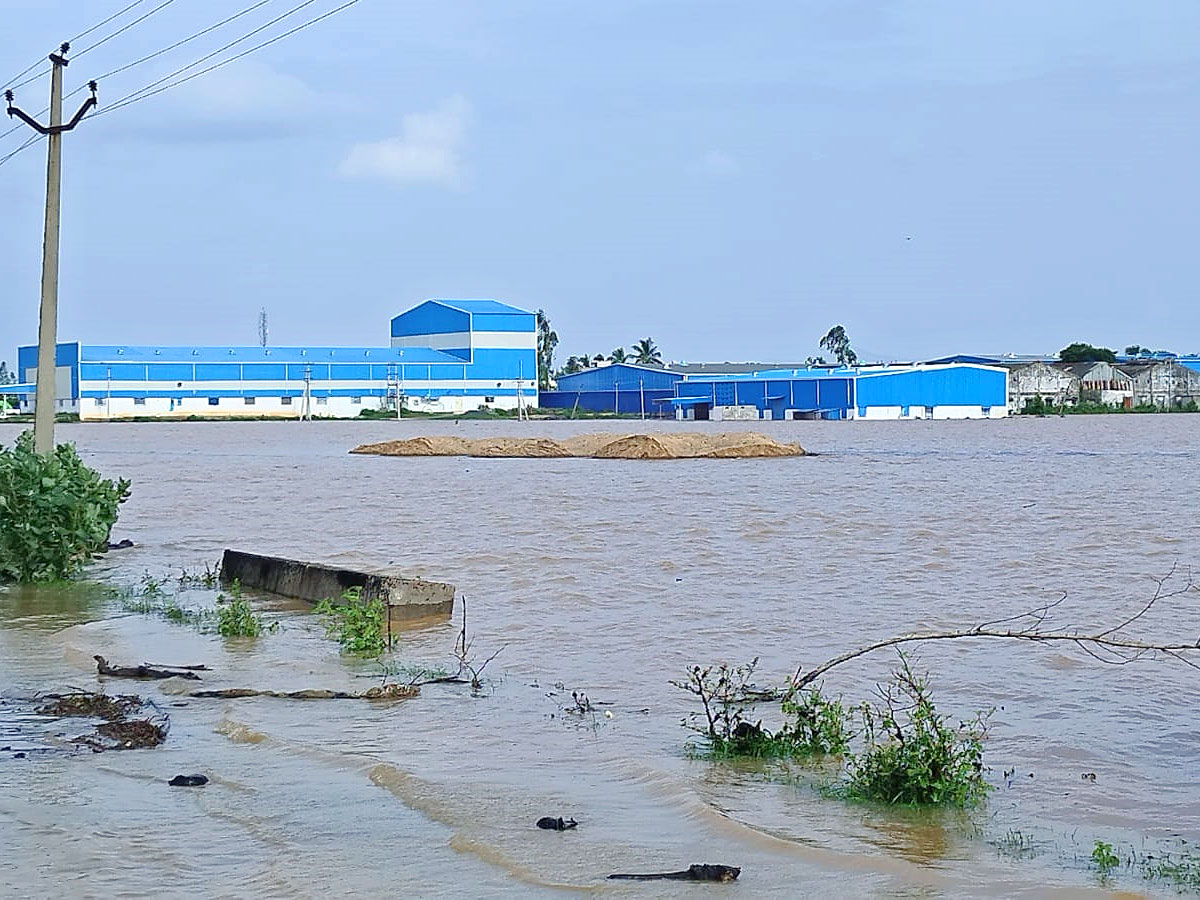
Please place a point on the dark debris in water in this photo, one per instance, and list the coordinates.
(111, 708)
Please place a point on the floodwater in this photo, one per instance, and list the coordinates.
(611, 577)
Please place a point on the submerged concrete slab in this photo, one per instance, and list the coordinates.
(407, 598)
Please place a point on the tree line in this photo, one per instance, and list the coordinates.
(646, 353)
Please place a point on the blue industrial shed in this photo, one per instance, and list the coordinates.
(624, 387)
(446, 356)
(956, 390)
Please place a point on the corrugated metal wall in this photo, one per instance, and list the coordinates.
(950, 386)
(623, 377)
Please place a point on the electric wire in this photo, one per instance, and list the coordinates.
(147, 90)
(81, 34)
(123, 29)
(28, 143)
(22, 73)
(145, 93)
(234, 58)
(101, 24)
(149, 56)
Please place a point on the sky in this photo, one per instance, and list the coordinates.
(730, 180)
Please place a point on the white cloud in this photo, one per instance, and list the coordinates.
(244, 101)
(428, 149)
(716, 164)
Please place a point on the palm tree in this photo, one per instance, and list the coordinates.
(837, 342)
(646, 354)
(597, 359)
(618, 356)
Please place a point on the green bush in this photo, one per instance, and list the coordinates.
(814, 724)
(235, 618)
(55, 512)
(912, 756)
(357, 624)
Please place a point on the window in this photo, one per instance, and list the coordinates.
(986, 410)
(214, 401)
(139, 401)
(322, 401)
(249, 401)
(356, 401)
(929, 412)
(489, 399)
(99, 401)
(904, 412)
(286, 401)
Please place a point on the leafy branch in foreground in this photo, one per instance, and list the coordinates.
(55, 512)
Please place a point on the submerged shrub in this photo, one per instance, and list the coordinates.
(357, 624)
(813, 723)
(912, 755)
(235, 618)
(55, 512)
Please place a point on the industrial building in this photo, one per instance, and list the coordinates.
(446, 356)
(951, 391)
(621, 387)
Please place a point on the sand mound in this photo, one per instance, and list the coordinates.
(733, 445)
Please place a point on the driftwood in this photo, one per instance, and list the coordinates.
(1107, 645)
(143, 671)
(383, 692)
(698, 872)
(556, 823)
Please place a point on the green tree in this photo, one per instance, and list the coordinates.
(618, 356)
(1133, 350)
(547, 340)
(837, 342)
(6, 377)
(1081, 352)
(645, 353)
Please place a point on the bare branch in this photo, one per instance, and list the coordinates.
(1108, 646)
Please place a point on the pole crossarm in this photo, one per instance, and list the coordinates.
(52, 129)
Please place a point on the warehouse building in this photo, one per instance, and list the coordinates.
(953, 391)
(950, 391)
(624, 387)
(447, 356)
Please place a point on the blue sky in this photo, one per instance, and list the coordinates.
(729, 179)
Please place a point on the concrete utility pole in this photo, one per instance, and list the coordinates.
(43, 422)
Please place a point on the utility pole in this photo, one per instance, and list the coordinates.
(43, 422)
(262, 327)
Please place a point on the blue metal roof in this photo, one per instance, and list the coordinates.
(149, 353)
(22, 390)
(479, 306)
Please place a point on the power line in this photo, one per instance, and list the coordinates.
(123, 28)
(30, 79)
(29, 143)
(147, 91)
(81, 34)
(234, 58)
(150, 56)
(177, 44)
(23, 72)
(101, 24)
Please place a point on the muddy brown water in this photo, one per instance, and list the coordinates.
(610, 577)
